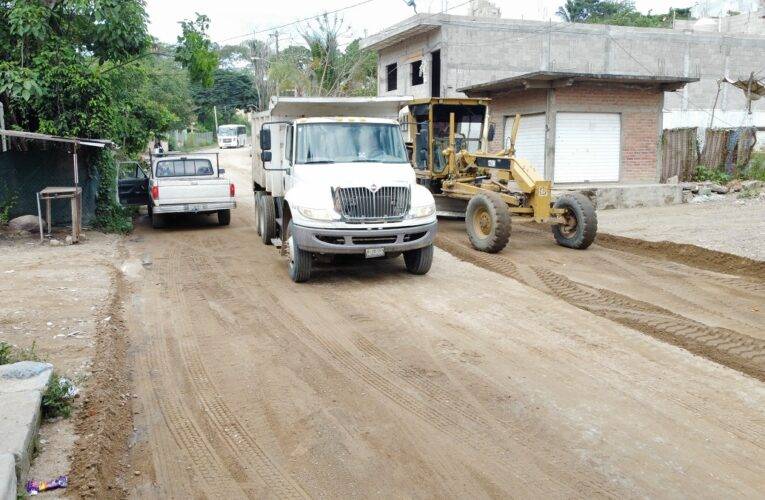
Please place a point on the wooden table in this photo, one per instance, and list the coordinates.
(61, 193)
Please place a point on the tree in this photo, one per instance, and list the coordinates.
(195, 50)
(620, 13)
(231, 91)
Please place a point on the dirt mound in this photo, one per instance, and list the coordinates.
(690, 255)
(105, 421)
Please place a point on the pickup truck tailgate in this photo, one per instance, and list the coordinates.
(197, 190)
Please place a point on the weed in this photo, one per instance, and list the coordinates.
(6, 353)
(756, 168)
(748, 193)
(26, 354)
(8, 200)
(57, 400)
(711, 174)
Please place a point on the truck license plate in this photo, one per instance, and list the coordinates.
(371, 253)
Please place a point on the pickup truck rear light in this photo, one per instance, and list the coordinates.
(155, 192)
(231, 190)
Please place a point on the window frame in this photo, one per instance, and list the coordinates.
(417, 74)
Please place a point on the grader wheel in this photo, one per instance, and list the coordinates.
(488, 222)
(581, 224)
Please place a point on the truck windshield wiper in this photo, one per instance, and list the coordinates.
(319, 161)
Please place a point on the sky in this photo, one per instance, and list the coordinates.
(233, 21)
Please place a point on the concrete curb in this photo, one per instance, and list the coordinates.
(7, 477)
(21, 389)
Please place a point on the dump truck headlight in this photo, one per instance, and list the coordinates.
(316, 213)
(422, 211)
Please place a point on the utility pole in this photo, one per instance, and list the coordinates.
(215, 115)
(276, 41)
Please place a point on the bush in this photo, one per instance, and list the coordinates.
(8, 200)
(756, 168)
(111, 217)
(704, 174)
(57, 400)
(6, 352)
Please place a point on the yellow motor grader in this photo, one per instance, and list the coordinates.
(448, 139)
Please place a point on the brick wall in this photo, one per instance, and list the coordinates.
(640, 110)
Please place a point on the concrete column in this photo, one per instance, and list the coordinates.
(550, 123)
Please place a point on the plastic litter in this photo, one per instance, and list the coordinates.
(35, 487)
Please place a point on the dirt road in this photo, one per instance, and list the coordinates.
(537, 372)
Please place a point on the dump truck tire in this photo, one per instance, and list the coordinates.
(488, 222)
(583, 222)
(300, 260)
(419, 261)
(224, 217)
(267, 219)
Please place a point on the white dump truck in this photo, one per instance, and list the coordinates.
(331, 176)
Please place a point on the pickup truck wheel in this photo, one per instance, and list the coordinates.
(300, 260)
(157, 220)
(224, 217)
(581, 225)
(488, 222)
(267, 219)
(419, 261)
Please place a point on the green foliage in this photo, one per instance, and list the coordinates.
(756, 168)
(8, 200)
(231, 90)
(56, 401)
(617, 12)
(195, 51)
(6, 353)
(749, 193)
(711, 174)
(111, 217)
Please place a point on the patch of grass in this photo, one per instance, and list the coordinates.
(6, 353)
(26, 354)
(756, 168)
(56, 402)
(114, 219)
(748, 193)
(8, 200)
(711, 174)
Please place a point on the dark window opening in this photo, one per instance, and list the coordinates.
(391, 71)
(435, 74)
(417, 76)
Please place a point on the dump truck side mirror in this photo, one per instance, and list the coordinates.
(265, 139)
(265, 156)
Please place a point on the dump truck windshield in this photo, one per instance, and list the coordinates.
(349, 143)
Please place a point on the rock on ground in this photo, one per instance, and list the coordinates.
(29, 223)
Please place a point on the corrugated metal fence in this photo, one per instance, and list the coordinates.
(679, 153)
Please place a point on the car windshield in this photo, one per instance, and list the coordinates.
(350, 142)
(184, 167)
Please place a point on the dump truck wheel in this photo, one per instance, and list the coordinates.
(488, 222)
(581, 222)
(419, 261)
(224, 217)
(300, 260)
(267, 219)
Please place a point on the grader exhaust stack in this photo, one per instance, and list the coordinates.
(449, 157)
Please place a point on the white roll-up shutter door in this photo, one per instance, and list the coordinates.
(587, 147)
(530, 142)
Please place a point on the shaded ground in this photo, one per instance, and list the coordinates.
(549, 372)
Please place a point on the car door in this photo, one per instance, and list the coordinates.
(133, 184)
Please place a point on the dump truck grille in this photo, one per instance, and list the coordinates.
(360, 204)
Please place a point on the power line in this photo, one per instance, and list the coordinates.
(267, 30)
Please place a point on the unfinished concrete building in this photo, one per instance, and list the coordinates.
(450, 56)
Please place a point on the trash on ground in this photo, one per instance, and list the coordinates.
(35, 487)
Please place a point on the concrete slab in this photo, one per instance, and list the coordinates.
(24, 376)
(8, 484)
(20, 414)
(611, 196)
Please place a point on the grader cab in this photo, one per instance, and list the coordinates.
(448, 142)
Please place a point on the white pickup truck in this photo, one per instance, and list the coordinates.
(177, 184)
(331, 176)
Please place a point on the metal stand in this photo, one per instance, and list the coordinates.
(61, 193)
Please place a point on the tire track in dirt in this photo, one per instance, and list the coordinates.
(730, 348)
(435, 406)
(223, 421)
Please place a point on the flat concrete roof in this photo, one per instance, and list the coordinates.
(556, 79)
(406, 29)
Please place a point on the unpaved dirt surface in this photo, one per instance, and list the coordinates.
(732, 226)
(55, 299)
(539, 372)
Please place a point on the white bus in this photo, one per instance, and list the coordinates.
(232, 136)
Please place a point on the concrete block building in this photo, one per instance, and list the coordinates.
(674, 83)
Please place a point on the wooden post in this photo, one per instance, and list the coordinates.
(48, 214)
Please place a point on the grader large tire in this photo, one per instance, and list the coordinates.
(581, 225)
(267, 215)
(488, 222)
